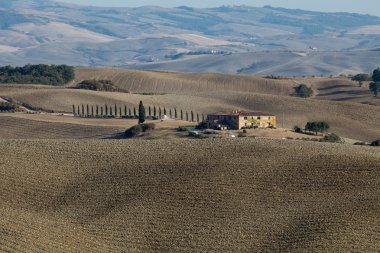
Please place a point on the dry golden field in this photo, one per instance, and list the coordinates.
(338, 100)
(186, 83)
(226, 195)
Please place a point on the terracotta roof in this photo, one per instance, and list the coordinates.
(242, 113)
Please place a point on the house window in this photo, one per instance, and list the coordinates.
(245, 118)
(258, 117)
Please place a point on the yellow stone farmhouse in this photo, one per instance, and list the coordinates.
(237, 120)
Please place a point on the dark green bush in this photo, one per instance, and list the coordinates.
(99, 85)
(303, 91)
(6, 106)
(297, 129)
(205, 125)
(331, 138)
(133, 131)
(376, 143)
(182, 129)
(148, 127)
(138, 129)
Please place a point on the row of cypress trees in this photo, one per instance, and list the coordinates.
(152, 112)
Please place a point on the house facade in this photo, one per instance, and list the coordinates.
(237, 120)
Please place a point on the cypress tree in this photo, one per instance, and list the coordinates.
(164, 111)
(192, 116)
(130, 112)
(181, 115)
(134, 112)
(101, 111)
(170, 113)
(92, 110)
(198, 117)
(82, 110)
(175, 113)
(88, 110)
(106, 110)
(141, 113)
(150, 112)
(111, 112)
(159, 112)
(78, 111)
(120, 112)
(154, 111)
(74, 110)
(115, 110)
(125, 111)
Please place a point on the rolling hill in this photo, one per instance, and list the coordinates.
(188, 196)
(229, 39)
(346, 107)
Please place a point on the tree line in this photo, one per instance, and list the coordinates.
(37, 74)
(131, 112)
(313, 127)
(374, 78)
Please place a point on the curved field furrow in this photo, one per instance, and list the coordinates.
(238, 195)
(180, 83)
(18, 128)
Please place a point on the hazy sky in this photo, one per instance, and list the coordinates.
(360, 6)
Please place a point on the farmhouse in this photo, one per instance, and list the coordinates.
(237, 120)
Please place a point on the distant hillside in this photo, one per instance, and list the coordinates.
(283, 63)
(33, 31)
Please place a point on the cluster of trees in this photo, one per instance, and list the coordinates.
(303, 91)
(317, 127)
(374, 86)
(99, 85)
(37, 74)
(7, 107)
(152, 112)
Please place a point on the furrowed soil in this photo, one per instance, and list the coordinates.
(229, 195)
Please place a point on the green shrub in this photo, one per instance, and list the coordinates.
(376, 143)
(331, 138)
(6, 106)
(99, 85)
(133, 131)
(147, 127)
(182, 129)
(297, 129)
(205, 125)
(303, 91)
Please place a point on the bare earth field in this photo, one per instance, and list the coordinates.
(237, 195)
(44, 126)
